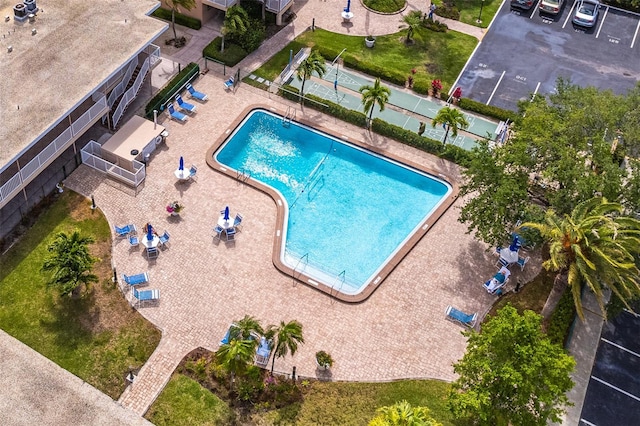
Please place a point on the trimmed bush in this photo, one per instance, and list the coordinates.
(185, 21)
(488, 110)
(171, 88)
(448, 10)
(232, 52)
(562, 319)
(253, 37)
(436, 26)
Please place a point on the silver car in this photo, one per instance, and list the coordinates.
(551, 6)
(586, 13)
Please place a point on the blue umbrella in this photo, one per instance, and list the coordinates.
(181, 164)
(515, 244)
(348, 8)
(226, 213)
(149, 232)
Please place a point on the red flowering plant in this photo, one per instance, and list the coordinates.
(436, 85)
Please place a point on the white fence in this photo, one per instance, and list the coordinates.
(50, 152)
(92, 157)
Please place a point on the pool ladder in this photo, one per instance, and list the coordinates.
(341, 282)
(295, 269)
(242, 175)
(289, 115)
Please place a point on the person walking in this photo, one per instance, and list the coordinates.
(432, 9)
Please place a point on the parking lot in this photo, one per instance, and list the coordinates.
(613, 395)
(524, 52)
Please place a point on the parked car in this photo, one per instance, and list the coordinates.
(551, 6)
(522, 4)
(586, 13)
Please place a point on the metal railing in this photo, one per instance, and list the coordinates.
(276, 5)
(92, 156)
(220, 3)
(153, 52)
(119, 89)
(39, 162)
(130, 94)
(287, 72)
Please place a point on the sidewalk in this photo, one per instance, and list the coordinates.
(582, 347)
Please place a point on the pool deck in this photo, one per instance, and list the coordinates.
(399, 332)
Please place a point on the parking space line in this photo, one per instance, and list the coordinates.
(535, 92)
(635, 35)
(616, 388)
(602, 21)
(534, 9)
(496, 88)
(587, 423)
(570, 14)
(620, 347)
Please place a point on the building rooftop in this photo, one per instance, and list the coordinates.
(78, 45)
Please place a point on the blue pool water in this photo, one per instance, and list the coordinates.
(349, 210)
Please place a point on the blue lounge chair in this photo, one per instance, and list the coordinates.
(144, 296)
(175, 114)
(195, 94)
(227, 337)
(468, 320)
(229, 83)
(124, 231)
(186, 106)
(263, 352)
(136, 279)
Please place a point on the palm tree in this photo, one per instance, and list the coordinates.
(411, 21)
(175, 6)
(372, 95)
(403, 414)
(594, 246)
(245, 328)
(452, 119)
(285, 339)
(71, 262)
(235, 356)
(236, 23)
(313, 63)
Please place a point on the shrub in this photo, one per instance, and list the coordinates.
(185, 21)
(232, 52)
(488, 110)
(448, 10)
(251, 39)
(436, 26)
(324, 359)
(562, 319)
(171, 88)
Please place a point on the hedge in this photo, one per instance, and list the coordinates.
(171, 88)
(184, 20)
(408, 137)
(488, 110)
(562, 319)
(232, 52)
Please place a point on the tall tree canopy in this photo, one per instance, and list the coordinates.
(511, 373)
(314, 63)
(594, 246)
(567, 148)
(372, 95)
(70, 261)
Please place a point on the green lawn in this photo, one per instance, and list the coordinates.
(470, 11)
(325, 403)
(96, 336)
(433, 54)
(184, 402)
(385, 6)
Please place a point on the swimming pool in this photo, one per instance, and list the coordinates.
(348, 211)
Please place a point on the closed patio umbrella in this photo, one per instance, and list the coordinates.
(515, 244)
(226, 213)
(149, 232)
(181, 163)
(348, 8)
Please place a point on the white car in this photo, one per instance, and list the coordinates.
(586, 13)
(551, 6)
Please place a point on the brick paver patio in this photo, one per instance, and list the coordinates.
(399, 332)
